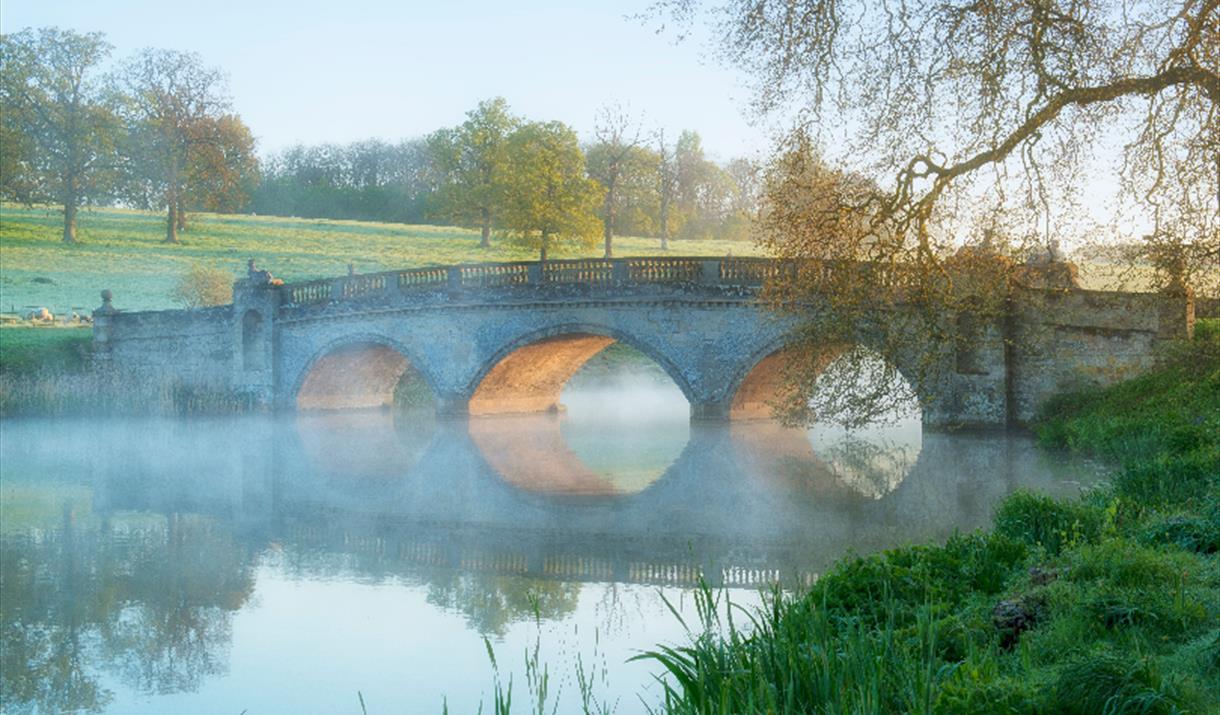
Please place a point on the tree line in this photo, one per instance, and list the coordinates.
(158, 131)
(534, 181)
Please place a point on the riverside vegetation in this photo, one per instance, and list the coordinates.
(1108, 604)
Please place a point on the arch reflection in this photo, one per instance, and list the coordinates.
(374, 445)
(584, 457)
(828, 460)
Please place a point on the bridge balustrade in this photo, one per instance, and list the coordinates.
(423, 278)
(664, 270)
(493, 275)
(596, 271)
(748, 272)
(356, 286)
(309, 293)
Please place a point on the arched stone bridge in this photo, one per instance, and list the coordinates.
(505, 337)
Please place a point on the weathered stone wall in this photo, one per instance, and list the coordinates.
(1068, 340)
(190, 347)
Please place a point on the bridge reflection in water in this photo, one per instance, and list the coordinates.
(148, 542)
(737, 503)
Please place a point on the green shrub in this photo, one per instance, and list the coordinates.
(1114, 685)
(203, 286)
(1040, 520)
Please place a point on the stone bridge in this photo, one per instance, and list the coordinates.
(506, 337)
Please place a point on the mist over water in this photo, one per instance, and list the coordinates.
(280, 564)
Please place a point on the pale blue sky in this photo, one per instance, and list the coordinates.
(310, 71)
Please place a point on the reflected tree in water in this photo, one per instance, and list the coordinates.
(180, 592)
(493, 602)
(150, 600)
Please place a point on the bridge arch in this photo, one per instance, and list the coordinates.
(358, 371)
(528, 373)
(761, 380)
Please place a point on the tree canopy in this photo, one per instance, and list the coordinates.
(58, 126)
(180, 127)
(548, 198)
(471, 161)
(1000, 102)
(984, 122)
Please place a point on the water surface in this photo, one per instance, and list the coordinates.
(269, 565)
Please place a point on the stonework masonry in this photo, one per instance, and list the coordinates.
(493, 338)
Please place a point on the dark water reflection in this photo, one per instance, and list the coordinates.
(281, 564)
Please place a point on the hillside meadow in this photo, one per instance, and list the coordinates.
(122, 250)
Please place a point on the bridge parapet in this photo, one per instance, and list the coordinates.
(667, 270)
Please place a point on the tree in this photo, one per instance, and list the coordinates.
(667, 186)
(995, 103)
(614, 160)
(223, 171)
(949, 97)
(174, 107)
(471, 160)
(549, 198)
(58, 125)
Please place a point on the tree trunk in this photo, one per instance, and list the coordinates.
(542, 253)
(608, 222)
(664, 220)
(70, 219)
(485, 241)
(171, 199)
(180, 217)
(171, 223)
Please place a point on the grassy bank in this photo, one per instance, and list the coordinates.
(1108, 604)
(123, 250)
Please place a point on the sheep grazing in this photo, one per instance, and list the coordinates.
(42, 315)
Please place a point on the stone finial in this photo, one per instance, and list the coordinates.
(106, 308)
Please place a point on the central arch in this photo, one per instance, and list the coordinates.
(529, 374)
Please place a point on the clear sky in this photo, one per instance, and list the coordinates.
(310, 71)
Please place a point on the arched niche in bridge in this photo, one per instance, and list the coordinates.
(530, 377)
(362, 374)
(252, 341)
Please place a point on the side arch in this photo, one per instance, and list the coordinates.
(761, 379)
(527, 374)
(357, 371)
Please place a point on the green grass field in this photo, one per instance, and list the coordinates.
(122, 250)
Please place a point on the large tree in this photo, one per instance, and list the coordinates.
(616, 161)
(58, 124)
(176, 108)
(990, 120)
(222, 172)
(667, 187)
(948, 98)
(471, 160)
(548, 198)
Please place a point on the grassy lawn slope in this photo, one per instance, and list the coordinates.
(122, 250)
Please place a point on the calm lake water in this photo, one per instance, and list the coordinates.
(275, 565)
